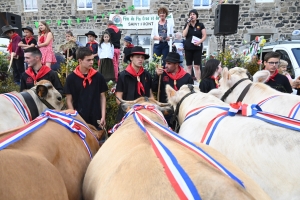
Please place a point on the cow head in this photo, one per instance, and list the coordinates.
(45, 90)
(165, 108)
(174, 96)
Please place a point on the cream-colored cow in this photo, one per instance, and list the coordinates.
(281, 104)
(266, 153)
(127, 168)
(11, 118)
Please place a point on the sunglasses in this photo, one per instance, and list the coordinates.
(273, 63)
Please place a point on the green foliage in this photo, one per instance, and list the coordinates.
(252, 67)
(111, 105)
(4, 61)
(152, 64)
(8, 85)
(231, 59)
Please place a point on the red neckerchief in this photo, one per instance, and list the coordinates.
(42, 38)
(27, 40)
(273, 76)
(9, 47)
(89, 76)
(91, 43)
(131, 71)
(130, 45)
(114, 28)
(42, 72)
(216, 79)
(180, 73)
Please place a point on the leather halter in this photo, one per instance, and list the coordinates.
(174, 117)
(226, 94)
(32, 105)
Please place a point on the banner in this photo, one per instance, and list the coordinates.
(136, 21)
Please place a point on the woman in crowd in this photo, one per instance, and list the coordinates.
(45, 41)
(161, 32)
(210, 75)
(195, 34)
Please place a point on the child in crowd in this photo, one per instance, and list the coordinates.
(282, 69)
(106, 54)
(210, 75)
(15, 51)
(127, 49)
(72, 51)
(28, 40)
(179, 43)
(45, 42)
(92, 44)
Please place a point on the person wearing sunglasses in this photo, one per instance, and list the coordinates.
(277, 81)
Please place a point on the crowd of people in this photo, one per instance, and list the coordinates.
(85, 87)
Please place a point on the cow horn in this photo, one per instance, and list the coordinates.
(122, 101)
(163, 104)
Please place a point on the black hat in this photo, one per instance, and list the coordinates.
(8, 28)
(193, 11)
(137, 50)
(29, 29)
(173, 57)
(91, 33)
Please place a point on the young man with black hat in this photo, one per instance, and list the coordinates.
(28, 40)
(85, 89)
(195, 34)
(15, 51)
(134, 81)
(92, 44)
(172, 75)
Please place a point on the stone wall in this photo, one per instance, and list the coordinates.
(278, 18)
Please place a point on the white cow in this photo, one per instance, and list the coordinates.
(281, 104)
(126, 167)
(10, 117)
(267, 153)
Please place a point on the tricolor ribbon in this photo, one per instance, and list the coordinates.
(179, 179)
(19, 106)
(64, 119)
(267, 99)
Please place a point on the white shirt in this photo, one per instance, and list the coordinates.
(106, 51)
(154, 33)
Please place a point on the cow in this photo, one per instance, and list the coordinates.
(279, 103)
(126, 166)
(50, 162)
(267, 153)
(31, 103)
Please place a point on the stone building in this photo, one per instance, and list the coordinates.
(272, 18)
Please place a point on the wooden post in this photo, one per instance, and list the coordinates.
(11, 60)
(67, 62)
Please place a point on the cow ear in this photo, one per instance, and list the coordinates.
(261, 76)
(41, 91)
(170, 91)
(167, 110)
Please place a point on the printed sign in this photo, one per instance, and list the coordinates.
(136, 21)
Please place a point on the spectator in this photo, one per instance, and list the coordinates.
(210, 75)
(161, 32)
(134, 81)
(106, 54)
(72, 51)
(92, 44)
(195, 34)
(45, 42)
(37, 71)
(85, 89)
(28, 40)
(15, 51)
(127, 49)
(115, 37)
(277, 81)
(179, 44)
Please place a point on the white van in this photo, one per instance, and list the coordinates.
(3, 44)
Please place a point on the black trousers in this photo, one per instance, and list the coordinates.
(18, 68)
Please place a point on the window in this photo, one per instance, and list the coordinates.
(266, 36)
(143, 41)
(30, 5)
(82, 39)
(84, 4)
(202, 4)
(264, 1)
(141, 4)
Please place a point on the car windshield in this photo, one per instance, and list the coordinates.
(296, 52)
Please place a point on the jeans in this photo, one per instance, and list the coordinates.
(161, 49)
